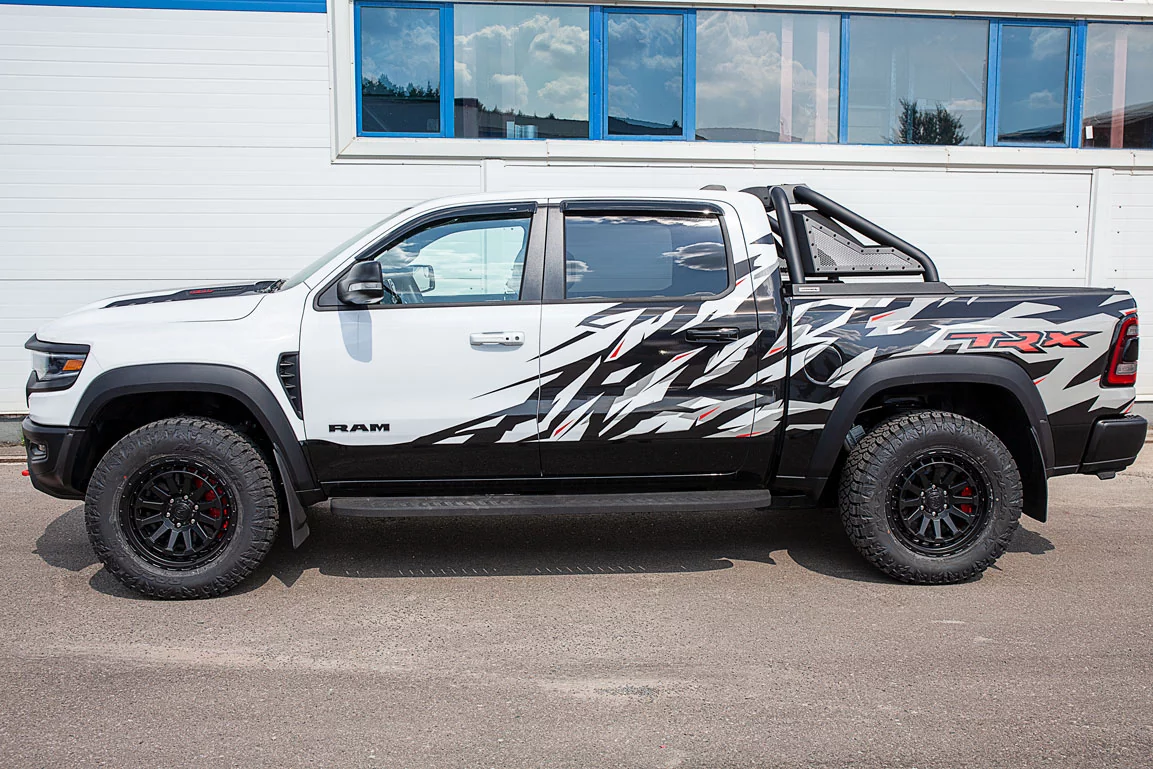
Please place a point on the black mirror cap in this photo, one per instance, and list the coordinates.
(362, 284)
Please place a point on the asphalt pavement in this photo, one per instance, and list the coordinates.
(751, 639)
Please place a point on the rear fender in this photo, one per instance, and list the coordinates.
(940, 369)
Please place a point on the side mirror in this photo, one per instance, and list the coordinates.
(362, 284)
(424, 277)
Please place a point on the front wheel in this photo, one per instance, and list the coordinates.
(931, 497)
(182, 508)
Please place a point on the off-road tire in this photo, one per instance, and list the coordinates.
(870, 474)
(238, 463)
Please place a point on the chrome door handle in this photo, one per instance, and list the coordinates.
(503, 338)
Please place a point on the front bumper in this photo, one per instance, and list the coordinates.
(52, 455)
(1114, 443)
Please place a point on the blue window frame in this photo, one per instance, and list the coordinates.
(1032, 82)
(405, 41)
(405, 71)
(657, 35)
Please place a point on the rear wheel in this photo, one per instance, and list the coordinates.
(931, 497)
(182, 508)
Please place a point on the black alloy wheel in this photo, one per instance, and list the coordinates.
(177, 513)
(939, 503)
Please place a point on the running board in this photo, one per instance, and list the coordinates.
(534, 504)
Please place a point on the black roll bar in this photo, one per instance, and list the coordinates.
(780, 200)
(839, 213)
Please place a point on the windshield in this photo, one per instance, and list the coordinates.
(309, 270)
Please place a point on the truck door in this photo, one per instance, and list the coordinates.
(441, 380)
(648, 341)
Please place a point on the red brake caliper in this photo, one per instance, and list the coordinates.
(967, 508)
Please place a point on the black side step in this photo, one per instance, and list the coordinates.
(517, 504)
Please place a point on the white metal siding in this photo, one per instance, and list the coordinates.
(1132, 262)
(146, 149)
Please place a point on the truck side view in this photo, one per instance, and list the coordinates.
(577, 351)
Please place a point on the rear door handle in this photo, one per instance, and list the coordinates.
(502, 338)
(713, 335)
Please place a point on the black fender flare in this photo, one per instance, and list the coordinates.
(928, 369)
(216, 378)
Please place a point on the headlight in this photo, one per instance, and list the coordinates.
(55, 366)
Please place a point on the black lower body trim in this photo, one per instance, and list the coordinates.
(1114, 443)
(535, 504)
(52, 457)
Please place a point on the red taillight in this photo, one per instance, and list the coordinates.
(1122, 371)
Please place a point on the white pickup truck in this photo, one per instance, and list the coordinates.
(569, 351)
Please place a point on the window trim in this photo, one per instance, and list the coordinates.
(555, 283)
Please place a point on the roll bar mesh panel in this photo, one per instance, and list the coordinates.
(816, 255)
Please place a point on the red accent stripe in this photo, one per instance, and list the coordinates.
(1038, 381)
(682, 355)
(617, 351)
(702, 416)
(747, 435)
(876, 318)
(776, 350)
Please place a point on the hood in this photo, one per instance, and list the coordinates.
(190, 305)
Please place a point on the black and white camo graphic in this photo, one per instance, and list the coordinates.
(602, 391)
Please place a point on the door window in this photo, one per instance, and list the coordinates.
(460, 260)
(637, 256)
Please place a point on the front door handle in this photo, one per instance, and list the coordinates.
(503, 338)
(713, 335)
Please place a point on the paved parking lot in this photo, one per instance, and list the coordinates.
(717, 640)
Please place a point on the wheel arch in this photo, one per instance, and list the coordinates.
(941, 374)
(201, 379)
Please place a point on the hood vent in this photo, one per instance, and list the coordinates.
(288, 369)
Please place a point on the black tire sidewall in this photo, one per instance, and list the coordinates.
(236, 463)
(872, 469)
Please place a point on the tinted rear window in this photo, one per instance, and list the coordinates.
(628, 256)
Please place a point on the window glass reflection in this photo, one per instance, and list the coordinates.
(1034, 74)
(626, 256)
(644, 67)
(1118, 88)
(521, 71)
(917, 81)
(400, 70)
(767, 77)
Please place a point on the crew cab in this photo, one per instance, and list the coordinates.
(569, 351)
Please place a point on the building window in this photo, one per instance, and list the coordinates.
(1032, 85)
(644, 65)
(917, 81)
(399, 70)
(521, 71)
(1118, 109)
(767, 77)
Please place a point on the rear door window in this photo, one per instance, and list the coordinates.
(636, 256)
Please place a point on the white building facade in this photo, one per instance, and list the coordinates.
(160, 143)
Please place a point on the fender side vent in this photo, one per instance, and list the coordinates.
(288, 369)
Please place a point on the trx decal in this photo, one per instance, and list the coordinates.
(372, 427)
(1021, 341)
